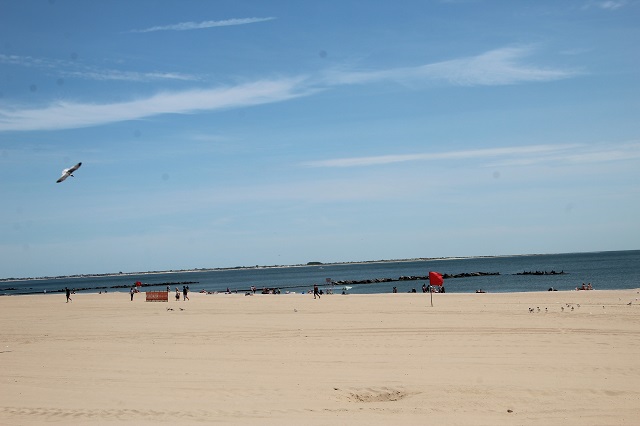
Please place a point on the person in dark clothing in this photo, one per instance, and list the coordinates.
(185, 290)
(315, 291)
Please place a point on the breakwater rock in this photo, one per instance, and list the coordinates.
(413, 278)
(469, 274)
(540, 273)
(171, 284)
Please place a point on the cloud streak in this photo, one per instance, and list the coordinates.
(493, 68)
(75, 70)
(65, 115)
(512, 156)
(608, 4)
(187, 26)
(116, 75)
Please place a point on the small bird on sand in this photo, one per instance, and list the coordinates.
(68, 172)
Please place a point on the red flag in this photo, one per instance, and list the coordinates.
(435, 278)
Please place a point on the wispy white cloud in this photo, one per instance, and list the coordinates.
(578, 154)
(496, 67)
(107, 75)
(606, 4)
(78, 70)
(25, 61)
(186, 26)
(508, 156)
(65, 115)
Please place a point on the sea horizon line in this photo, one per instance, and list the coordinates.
(300, 265)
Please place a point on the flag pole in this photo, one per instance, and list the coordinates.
(434, 278)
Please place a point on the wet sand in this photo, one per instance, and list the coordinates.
(472, 359)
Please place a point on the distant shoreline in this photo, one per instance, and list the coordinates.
(308, 264)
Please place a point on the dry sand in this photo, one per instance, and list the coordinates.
(472, 359)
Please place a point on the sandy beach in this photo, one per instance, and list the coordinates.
(471, 359)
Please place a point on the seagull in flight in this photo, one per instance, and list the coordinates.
(68, 172)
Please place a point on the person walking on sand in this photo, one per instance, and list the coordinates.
(131, 292)
(184, 293)
(315, 291)
(68, 293)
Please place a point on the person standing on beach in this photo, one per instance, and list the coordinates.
(131, 292)
(315, 291)
(68, 293)
(184, 293)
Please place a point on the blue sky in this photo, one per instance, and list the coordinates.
(228, 133)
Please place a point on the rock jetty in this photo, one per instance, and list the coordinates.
(413, 278)
(540, 273)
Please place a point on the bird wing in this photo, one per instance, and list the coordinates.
(67, 172)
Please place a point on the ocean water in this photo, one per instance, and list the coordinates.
(604, 270)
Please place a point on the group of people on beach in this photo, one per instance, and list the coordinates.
(425, 289)
(585, 287)
(185, 293)
(316, 291)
